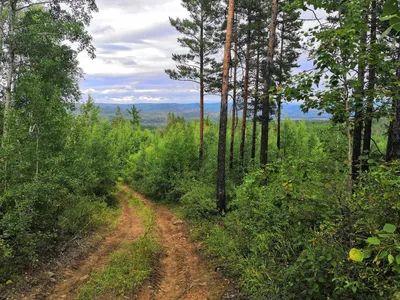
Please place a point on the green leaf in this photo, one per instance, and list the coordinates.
(389, 228)
(384, 235)
(383, 254)
(398, 259)
(396, 23)
(373, 241)
(390, 8)
(250, 180)
(390, 258)
(356, 255)
(397, 268)
(386, 18)
(387, 195)
(388, 182)
(391, 13)
(367, 254)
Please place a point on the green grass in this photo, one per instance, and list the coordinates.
(142, 211)
(130, 266)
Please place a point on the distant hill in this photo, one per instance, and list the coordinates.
(155, 114)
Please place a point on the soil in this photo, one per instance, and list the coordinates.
(181, 273)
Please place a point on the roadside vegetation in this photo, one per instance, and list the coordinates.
(291, 238)
(291, 210)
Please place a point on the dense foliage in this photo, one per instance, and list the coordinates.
(289, 239)
(314, 215)
(58, 171)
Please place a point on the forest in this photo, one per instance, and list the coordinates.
(285, 209)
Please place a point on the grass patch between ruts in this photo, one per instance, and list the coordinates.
(130, 266)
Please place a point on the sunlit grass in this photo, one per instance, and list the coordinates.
(130, 266)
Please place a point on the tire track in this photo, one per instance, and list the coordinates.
(181, 273)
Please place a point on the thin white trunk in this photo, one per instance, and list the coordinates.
(1, 27)
(10, 69)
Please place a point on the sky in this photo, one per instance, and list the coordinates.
(135, 42)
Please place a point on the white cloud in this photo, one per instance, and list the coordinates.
(133, 99)
(141, 28)
(135, 42)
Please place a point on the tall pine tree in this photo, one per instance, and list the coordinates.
(199, 37)
(288, 52)
(221, 168)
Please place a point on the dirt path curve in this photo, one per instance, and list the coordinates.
(129, 228)
(181, 274)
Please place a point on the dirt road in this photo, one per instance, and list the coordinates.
(180, 274)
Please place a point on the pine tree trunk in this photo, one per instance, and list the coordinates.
(268, 81)
(349, 154)
(245, 98)
(201, 150)
(393, 146)
(371, 88)
(221, 194)
(359, 104)
(278, 139)
(255, 113)
(233, 129)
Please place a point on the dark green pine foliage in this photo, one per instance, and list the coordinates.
(198, 65)
(250, 38)
(288, 51)
(260, 37)
(135, 116)
(119, 118)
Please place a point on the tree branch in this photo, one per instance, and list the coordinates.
(32, 4)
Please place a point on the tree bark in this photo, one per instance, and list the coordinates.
(201, 150)
(245, 97)
(233, 129)
(37, 150)
(10, 69)
(371, 88)
(268, 81)
(349, 150)
(359, 104)
(278, 138)
(393, 146)
(255, 113)
(1, 28)
(221, 194)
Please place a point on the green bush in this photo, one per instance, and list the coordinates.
(56, 191)
(157, 169)
(288, 231)
(198, 203)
